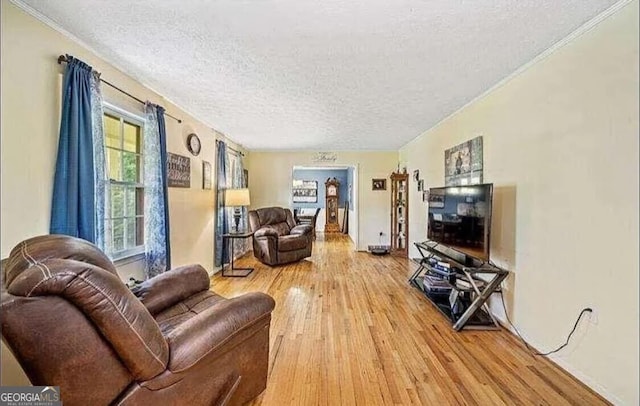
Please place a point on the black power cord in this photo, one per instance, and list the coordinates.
(530, 348)
(533, 350)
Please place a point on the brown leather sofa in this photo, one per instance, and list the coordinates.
(276, 237)
(71, 322)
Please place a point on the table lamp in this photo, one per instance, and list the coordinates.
(236, 198)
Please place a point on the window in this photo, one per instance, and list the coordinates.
(123, 148)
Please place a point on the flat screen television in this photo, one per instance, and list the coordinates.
(459, 217)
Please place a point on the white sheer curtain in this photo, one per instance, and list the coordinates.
(235, 180)
(156, 236)
(102, 200)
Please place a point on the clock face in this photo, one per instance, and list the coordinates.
(193, 144)
(331, 191)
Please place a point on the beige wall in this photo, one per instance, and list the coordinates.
(31, 81)
(561, 147)
(270, 176)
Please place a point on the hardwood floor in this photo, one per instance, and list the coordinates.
(349, 329)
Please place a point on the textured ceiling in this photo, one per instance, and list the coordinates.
(330, 75)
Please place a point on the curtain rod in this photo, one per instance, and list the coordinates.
(63, 58)
(232, 149)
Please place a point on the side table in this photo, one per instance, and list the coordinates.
(230, 269)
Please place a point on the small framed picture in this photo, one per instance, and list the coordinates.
(425, 196)
(206, 175)
(420, 185)
(416, 175)
(378, 184)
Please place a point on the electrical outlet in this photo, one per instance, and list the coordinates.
(593, 316)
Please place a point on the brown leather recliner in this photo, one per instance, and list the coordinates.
(71, 322)
(276, 237)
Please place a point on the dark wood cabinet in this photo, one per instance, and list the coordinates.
(399, 213)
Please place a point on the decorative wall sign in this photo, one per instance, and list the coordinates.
(178, 170)
(206, 175)
(463, 163)
(324, 157)
(305, 191)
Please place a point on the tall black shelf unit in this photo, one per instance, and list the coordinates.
(471, 280)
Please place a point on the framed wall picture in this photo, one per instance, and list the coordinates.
(416, 175)
(305, 191)
(378, 184)
(420, 185)
(463, 163)
(206, 175)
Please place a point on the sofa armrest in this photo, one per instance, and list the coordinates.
(301, 229)
(171, 287)
(205, 333)
(266, 232)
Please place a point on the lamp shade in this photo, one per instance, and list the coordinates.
(236, 197)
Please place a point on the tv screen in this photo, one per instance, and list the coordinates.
(460, 218)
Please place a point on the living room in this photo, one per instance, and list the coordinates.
(560, 143)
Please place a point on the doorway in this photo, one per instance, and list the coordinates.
(304, 198)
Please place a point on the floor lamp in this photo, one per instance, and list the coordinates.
(237, 198)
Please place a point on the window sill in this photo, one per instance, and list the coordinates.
(128, 257)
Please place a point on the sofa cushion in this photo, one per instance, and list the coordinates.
(184, 310)
(271, 216)
(292, 242)
(281, 228)
(171, 287)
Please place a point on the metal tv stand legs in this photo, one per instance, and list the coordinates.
(477, 282)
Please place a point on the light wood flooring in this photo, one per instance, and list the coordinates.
(348, 329)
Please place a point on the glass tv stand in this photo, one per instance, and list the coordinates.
(462, 288)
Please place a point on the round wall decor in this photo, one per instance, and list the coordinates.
(193, 144)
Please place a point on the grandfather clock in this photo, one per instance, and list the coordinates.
(331, 206)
